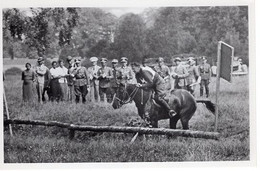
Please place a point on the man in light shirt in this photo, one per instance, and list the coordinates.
(40, 71)
(94, 82)
(63, 72)
(54, 84)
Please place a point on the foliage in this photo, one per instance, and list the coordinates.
(86, 32)
(13, 71)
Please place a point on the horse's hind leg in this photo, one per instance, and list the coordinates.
(185, 124)
(173, 121)
(185, 120)
(154, 123)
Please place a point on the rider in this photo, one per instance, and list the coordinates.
(153, 81)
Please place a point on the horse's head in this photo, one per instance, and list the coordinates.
(124, 94)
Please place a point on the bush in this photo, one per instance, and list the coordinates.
(13, 71)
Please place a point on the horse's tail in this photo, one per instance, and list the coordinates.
(209, 105)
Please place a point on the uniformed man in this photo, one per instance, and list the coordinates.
(115, 81)
(126, 73)
(163, 71)
(40, 71)
(194, 78)
(81, 82)
(205, 73)
(180, 74)
(94, 82)
(105, 74)
(70, 77)
(152, 81)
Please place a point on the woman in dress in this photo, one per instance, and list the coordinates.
(28, 77)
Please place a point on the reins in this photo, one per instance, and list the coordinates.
(130, 96)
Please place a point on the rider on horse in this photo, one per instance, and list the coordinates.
(148, 78)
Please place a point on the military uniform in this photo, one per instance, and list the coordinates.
(164, 72)
(104, 75)
(81, 83)
(150, 79)
(126, 75)
(182, 74)
(205, 73)
(70, 80)
(192, 77)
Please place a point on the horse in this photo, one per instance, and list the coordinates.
(179, 100)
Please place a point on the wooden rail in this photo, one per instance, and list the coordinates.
(141, 130)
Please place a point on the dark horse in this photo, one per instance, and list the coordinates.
(180, 100)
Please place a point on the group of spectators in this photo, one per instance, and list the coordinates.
(101, 82)
(61, 83)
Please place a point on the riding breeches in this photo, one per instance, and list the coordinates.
(204, 83)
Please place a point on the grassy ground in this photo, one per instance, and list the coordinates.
(32, 144)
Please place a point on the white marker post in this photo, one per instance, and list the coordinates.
(7, 113)
(224, 70)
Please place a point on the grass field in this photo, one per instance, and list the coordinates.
(36, 144)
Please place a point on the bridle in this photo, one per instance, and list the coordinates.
(130, 96)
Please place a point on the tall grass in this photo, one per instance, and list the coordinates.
(45, 144)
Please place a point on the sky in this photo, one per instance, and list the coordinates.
(121, 11)
(118, 11)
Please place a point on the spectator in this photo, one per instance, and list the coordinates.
(40, 70)
(205, 73)
(163, 71)
(28, 77)
(94, 82)
(194, 77)
(63, 72)
(46, 87)
(54, 84)
(126, 73)
(115, 82)
(70, 78)
(104, 75)
(81, 82)
(180, 74)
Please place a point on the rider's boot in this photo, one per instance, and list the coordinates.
(171, 112)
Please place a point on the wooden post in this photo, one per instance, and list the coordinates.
(217, 86)
(7, 113)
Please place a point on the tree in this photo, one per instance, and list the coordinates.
(130, 37)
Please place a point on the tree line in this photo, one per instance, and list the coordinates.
(86, 32)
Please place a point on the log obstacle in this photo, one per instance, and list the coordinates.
(117, 129)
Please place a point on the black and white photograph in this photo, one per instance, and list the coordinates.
(111, 84)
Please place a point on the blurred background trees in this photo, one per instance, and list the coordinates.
(86, 32)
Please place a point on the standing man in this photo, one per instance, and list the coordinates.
(94, 82)
(163, 71)
(152, 81)
(70, 78)
(63, 80)
(180, 74)
(81, 82)
(40, 71)
(47, 80)
(104, 75)
(194, 78)
(205, 73)
(115, 82)
(126, 73)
